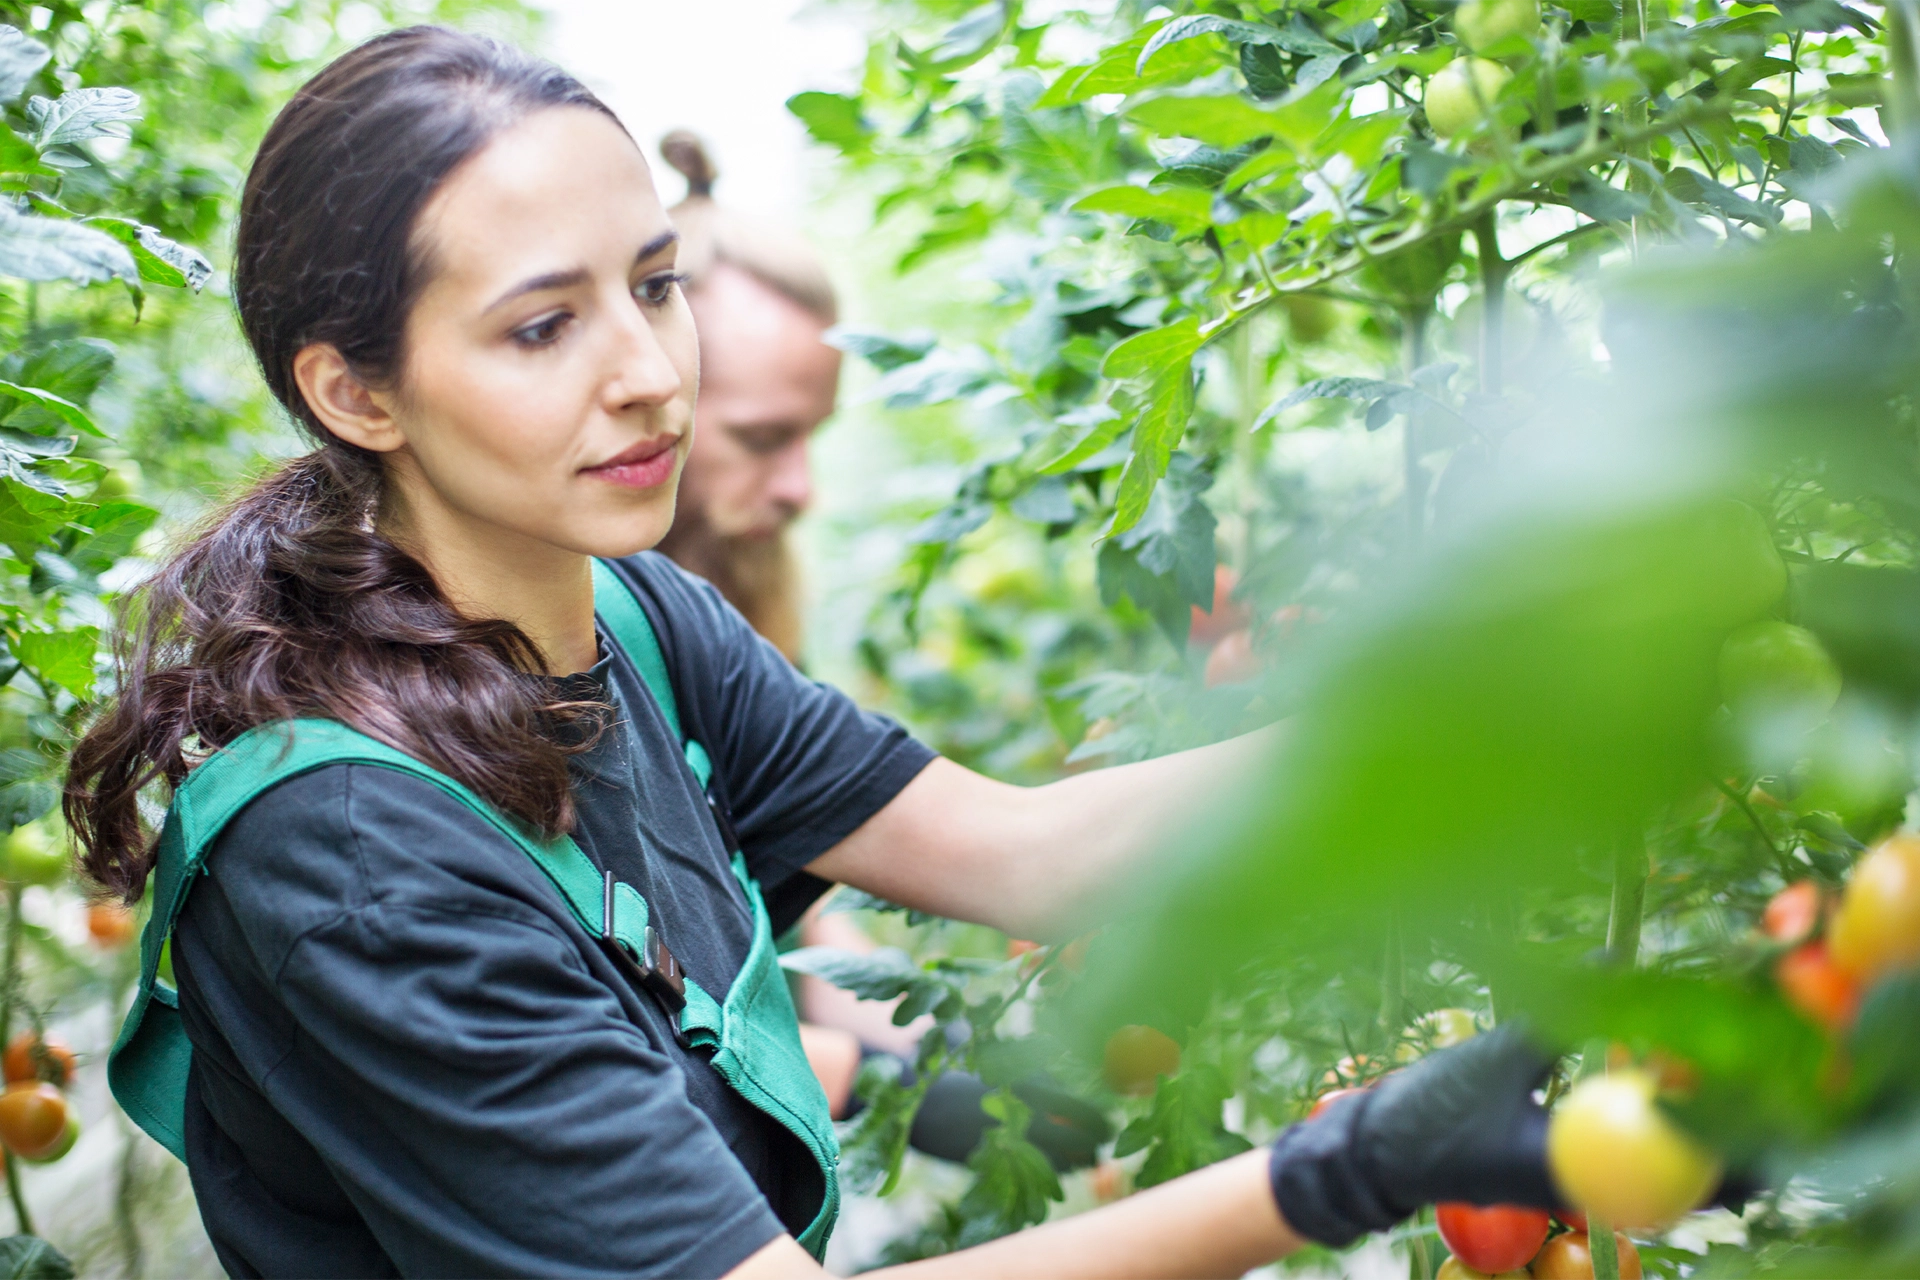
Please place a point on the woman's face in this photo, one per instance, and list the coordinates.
(551, 365)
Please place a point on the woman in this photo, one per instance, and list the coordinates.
(463, 871)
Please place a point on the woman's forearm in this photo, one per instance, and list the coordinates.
(1219, 1221)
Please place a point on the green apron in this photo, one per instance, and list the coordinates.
(753, 1036)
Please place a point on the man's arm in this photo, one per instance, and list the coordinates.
(1219, 1221)
(1032, 861)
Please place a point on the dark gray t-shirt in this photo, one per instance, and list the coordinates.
(410, 1059)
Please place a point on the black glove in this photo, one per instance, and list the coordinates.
(1459, 1125)
(950, 1122)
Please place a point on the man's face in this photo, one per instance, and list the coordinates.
(767, 380)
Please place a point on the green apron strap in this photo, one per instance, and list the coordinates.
(627, 623)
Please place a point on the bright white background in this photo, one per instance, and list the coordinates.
(723, 69)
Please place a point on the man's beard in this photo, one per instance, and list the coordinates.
(758, 576)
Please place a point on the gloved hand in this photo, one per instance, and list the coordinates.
(950, 1122)
(1459, 1125)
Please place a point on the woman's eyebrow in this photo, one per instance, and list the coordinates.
(576, 275)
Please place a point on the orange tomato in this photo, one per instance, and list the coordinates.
(1328, 1098)
(1227, 614)
(64, 1144)
(1817, 987)
(1109, 1181)
(33, 1118)
(1137, 1057)
(1233, 660)
(30, 1057)
(1454, 1269)
(1793, 912)
(111, 925)
(1017, 947)
(1876, 929)
(1570, 1257)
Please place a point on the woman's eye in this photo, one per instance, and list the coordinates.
(657, 291)
(541, 332)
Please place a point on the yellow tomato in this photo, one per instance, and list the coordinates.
(1137, 1057)
(1877, 928)
(1616, 1154)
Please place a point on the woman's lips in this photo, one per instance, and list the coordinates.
(641, 467)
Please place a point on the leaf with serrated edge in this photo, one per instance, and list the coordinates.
(83, 114)
(35, 248)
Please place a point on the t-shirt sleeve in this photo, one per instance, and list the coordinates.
(479, 1094)
(801, 765)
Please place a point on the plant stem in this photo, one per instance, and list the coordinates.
(1630, 868)
(125, 1196)
(1903, 59)
(9, 995)
(1413, 348)
(1494, 270)
(1606, 1256)
(1639, 181)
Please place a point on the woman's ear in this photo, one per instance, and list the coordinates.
(342, 402)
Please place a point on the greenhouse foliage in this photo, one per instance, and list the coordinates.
(1540, 378)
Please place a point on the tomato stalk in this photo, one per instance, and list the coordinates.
(1494, 270)
(1413, 349)
(1903, 60)
(1630, 869)
(1602, 1249)
(9, 994)
(1639, 176)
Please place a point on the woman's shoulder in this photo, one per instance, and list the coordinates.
(356, 837)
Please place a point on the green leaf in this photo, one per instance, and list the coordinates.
(63, 658)
(1014, 1182)
(160, 260)
(72, 368)
(1181, 207)
(112, 531)
(36, 248)
(30, 1257)
(1222, 120)
(884, 974)
(882, 351)
(81, 114)
(1078, 436)
(21, 58)
(1159, 428)
(1117, 69)
(65, 410)
(1183, 1130)
(1330, 389)
(966, 41)
(1202, 24)
(1147, 354)
(832, 118)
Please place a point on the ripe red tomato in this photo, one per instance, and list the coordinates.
(1817, 987)
(111, 925)
(1226, 615)
(1495, 1237)
(33, 1118)
(1233, 660)
(1571, 1218)
(1877, 927)
(28, 1057)
(1570, 1257)
(1327, 1099)
(1793, 912)
(1137, 1057)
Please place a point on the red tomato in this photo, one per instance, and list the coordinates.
(1233, 660)
(1793, 912)
(1110, 1181)
(1019, 947)
(28, 1057)
(1495, 1237)
(1137, 1057)
(1226, 615)
(1328, 1098)
(1570, 1257)
(1817, 987)
(33, 1118)
(1572, 1218)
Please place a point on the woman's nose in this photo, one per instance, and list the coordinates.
(643, 371)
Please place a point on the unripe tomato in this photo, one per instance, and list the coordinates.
(29, 1057)
(1454, 1269)
(33, 1118)
(68, 1136)
(1570, 1257)
(1616, 1154)
(1309, 319)
(1461, 92)
(1496, 1237)
(1487, 22)
(1233, 660)
(1877, 927)
(35, 855)
(1227, 614)
(111, 925)
(1792, 913)
(1776, 664)
(1817, 987)
(1137, 1057)
(1327, 1099)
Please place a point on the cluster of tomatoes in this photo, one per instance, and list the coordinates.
(37, 1124)
(1613, 1153)
(1838, 946)
(35, 854)
(1226, 632)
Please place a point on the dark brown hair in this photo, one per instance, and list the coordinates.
(288, 603)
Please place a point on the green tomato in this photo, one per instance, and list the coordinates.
(1776, 664)
(1484, 23)
(1461, 92)
(35, 856)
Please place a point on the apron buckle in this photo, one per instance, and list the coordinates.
(656, 969)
